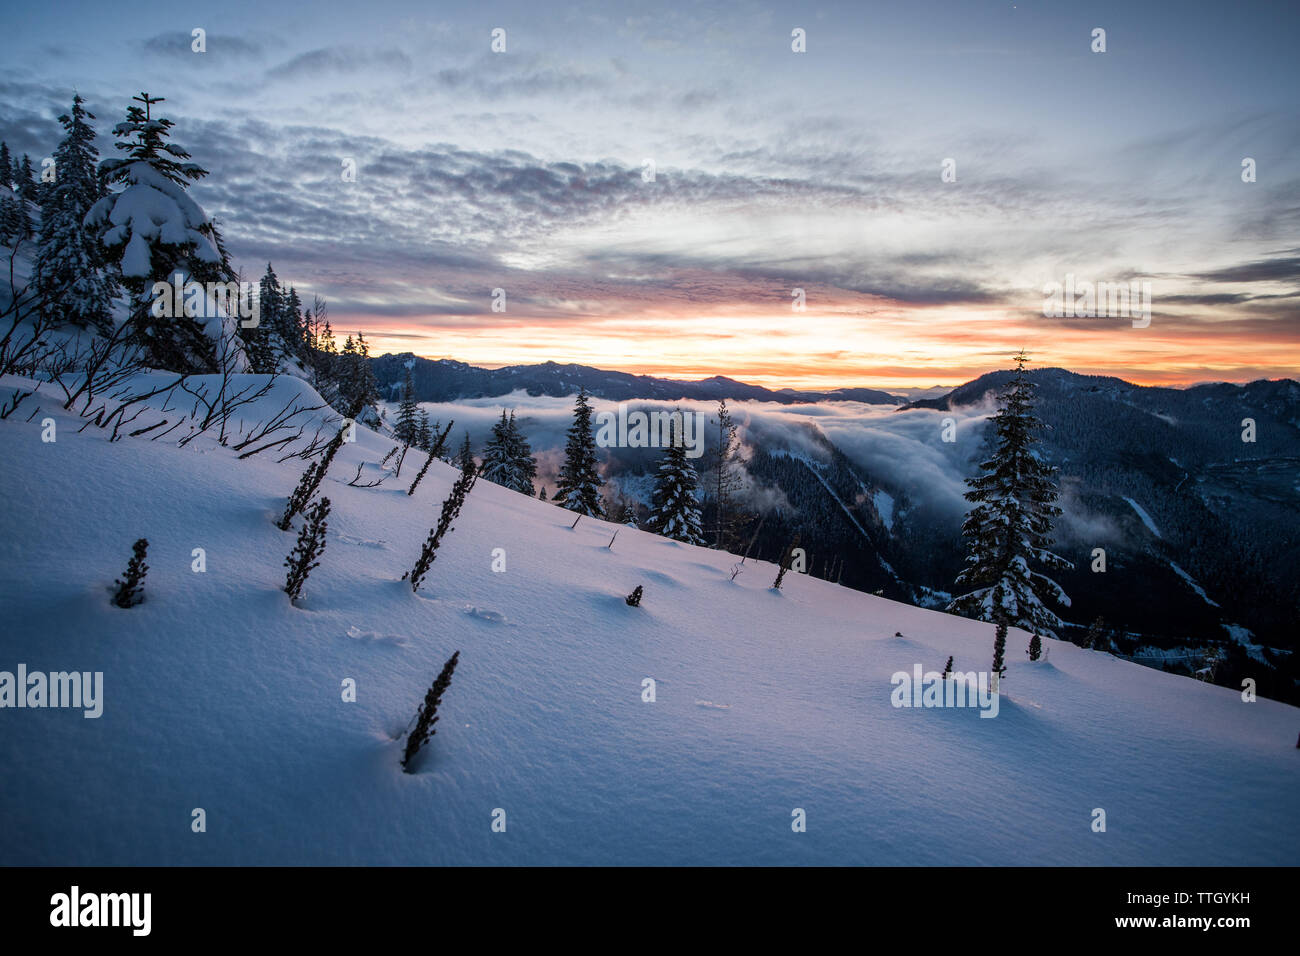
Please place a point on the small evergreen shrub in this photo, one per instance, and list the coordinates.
(785, 563)
(450, 510)
(310, 546)
(130, 587)
(999, 648)
(427, 715)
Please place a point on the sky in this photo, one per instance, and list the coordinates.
(527, 171)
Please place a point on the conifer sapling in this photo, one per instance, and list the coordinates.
(999, 648)
(634, 599)
(130, 587)
(315, 474)
(785, 563)
(450, 511)
(310, 546)
(427, 715)
(435, 451)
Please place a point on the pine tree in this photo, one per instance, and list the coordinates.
(628, 515)
(675, 511)
(11, 221)
(427, 715)
(20, 225)
(464, 457)
(541, 493)
(497, 464)
(11, 218)
(1035, 648)
(151, 230)
(1095, 638)
(407, 428)
(25, 182)
(521, 453)
(1009, 529)
(348, 377)
(293, 332)
(507, 458)
(947, 668)
(578, 487)
(362, 390)
(130, 587)
(264, 342)
(725, 479)
(423, 433)
(1000, 648)
(69, 274)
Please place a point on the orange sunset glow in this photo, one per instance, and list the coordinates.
(884, 347)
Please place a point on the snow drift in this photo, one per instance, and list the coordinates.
(220, 694)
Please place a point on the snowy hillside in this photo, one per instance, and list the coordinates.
(219, 694)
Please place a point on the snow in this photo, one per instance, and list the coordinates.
(151, 209)
(1146, 518)
(884, 503)
(1243, 636)
(1194, 586)
(218, 693)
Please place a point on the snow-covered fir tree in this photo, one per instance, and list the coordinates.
(16, 222)
(675, 508)
(1008, 532)
(12, 225)
(69, 274)
(578, 484)
(497, 463)
(464, 457)
(26, 184)
(627, 515)
(725, 480)
(408, 425)
(507, 457)
(358, 385)
(521, 453)
(293, 332)
(423, 433)
(151, 230)
(263, 342)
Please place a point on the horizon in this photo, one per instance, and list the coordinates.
(898, 390)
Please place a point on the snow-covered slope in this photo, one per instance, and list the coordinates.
(219, 694)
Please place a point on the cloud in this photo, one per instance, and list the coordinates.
(1272, 269)
(333, 61)
(904, 449)
(179, 43)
